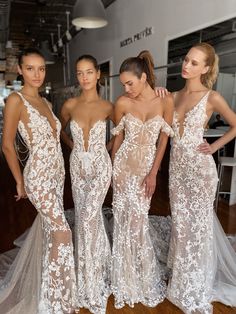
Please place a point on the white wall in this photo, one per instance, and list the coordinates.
(170, 19)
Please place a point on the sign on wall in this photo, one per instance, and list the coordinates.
(148, 31)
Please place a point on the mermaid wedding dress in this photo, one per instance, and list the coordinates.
(41, 279)
(202, 260)
(91, 176)
(136, 273)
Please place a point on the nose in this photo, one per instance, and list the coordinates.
(37, 74)
(127, 89)
(186, 64)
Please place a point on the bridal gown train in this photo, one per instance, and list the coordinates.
(202, 260)
(41, 279)
(91, 171)
(136, 272)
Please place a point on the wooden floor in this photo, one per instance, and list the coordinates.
(17, 216)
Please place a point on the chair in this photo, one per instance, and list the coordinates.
(223, 162)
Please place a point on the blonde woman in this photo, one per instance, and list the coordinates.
(202, 261)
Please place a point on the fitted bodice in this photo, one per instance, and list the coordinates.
(193, 125)
(96, 137)
(142, 133)
(38, 133)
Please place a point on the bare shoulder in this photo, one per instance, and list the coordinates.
(14, 102)
(167, 102)
(215, 97)
(107, 104)
(70, 103)
(14, 99)
(122, 102)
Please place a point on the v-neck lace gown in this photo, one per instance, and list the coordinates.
(202, 261)
(136, 272)
(41, 280)
(91, 176)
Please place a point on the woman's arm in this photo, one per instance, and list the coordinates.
(219, 105)
(150, 180)
(118, 114)
(65, 118)
(12, 113)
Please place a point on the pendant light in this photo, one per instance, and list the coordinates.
(89, 14)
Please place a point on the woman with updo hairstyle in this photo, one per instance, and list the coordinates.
(202, 261)
(143, 126)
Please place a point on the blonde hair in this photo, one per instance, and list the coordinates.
(143, 63)
(212, 61)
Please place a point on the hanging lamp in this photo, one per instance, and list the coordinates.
(89, 14)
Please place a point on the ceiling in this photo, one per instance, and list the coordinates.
(215, 35)
(33, 21)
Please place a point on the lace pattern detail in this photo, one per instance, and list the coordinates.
(91, 176)
(192, 193)
(136, 273)
(44, 182)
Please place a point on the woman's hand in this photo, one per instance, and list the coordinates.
(161, 92)
(20, 191)
(205, 148)
(149, 183)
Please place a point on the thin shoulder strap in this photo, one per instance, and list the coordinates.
(48, 103)
(205, 98)
(21, 96)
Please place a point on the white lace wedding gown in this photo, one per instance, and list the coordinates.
(203, 262)
(136, 272)
(41, 279)
(91, 177)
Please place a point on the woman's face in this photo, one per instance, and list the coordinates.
(194, 64)
(33, 70)
(132, 84)
(87, 75)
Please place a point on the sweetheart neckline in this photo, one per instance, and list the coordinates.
(144, 122)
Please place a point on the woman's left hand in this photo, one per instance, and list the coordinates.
(205, 148)
(149, 183)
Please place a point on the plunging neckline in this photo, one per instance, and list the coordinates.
(89, 133)
(144, 122)
(186, 114)
(54, 130)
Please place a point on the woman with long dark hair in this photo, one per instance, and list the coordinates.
(41, 280)
(90, 168)
(141, 136)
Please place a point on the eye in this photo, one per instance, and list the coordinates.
(42, 69)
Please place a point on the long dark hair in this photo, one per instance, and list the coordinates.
(143, 63)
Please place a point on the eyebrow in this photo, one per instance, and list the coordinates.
(31, 65)
(85, 70)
